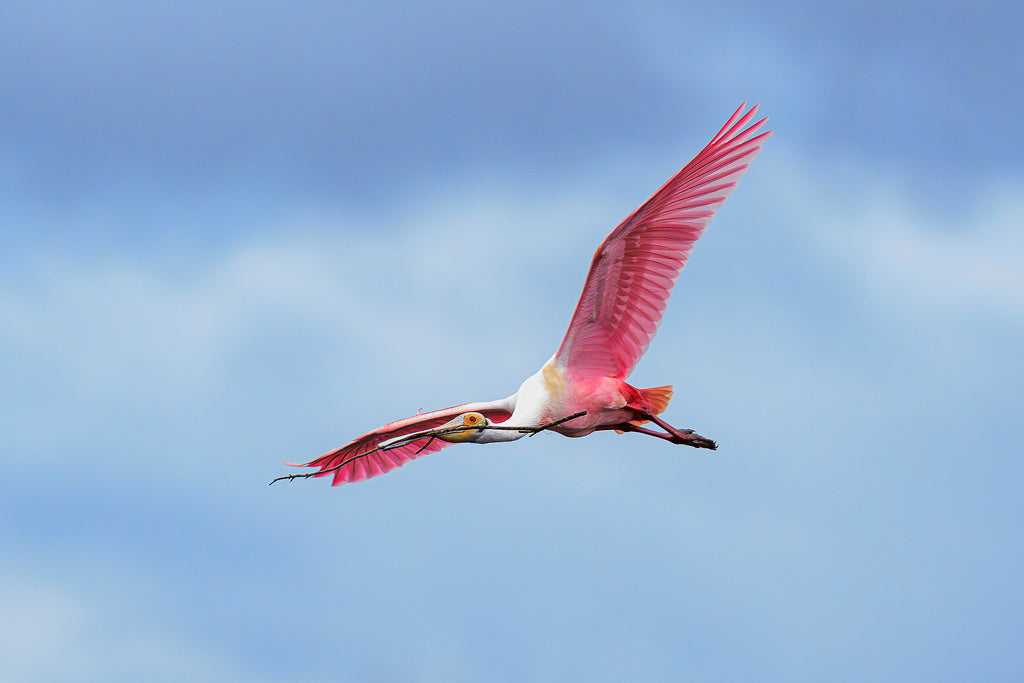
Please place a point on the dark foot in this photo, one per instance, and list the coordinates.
(689, 438)
(682, 436)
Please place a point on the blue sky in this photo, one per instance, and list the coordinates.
(236, 234)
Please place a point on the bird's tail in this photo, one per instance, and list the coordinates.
(657, 398)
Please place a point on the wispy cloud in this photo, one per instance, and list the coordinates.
(934, 263)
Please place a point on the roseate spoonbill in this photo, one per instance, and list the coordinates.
(627, 288)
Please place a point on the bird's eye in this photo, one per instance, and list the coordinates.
(472, 419)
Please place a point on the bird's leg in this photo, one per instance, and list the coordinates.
(627, 427)
(680, 436)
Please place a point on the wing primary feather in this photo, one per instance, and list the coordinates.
(732, 119)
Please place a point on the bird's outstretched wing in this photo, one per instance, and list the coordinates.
(635, 268)
(377, 461)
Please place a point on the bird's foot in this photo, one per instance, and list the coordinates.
(688, 437)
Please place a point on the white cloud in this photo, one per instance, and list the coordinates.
(50, 632)
(445, 273)
(910, 260)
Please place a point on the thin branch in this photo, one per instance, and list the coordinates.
(424, 446)
(430, 435)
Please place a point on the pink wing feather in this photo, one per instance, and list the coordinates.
(380, 462)
(635, 268)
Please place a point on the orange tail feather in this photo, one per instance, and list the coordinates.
(658, 398)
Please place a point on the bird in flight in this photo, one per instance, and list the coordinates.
(582, 388)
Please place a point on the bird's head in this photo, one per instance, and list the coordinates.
(474, 424)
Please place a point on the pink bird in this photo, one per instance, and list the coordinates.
(625, 294)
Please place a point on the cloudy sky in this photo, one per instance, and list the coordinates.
(235, 234)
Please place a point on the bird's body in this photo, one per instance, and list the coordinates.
(626, 291)
(554, 392)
